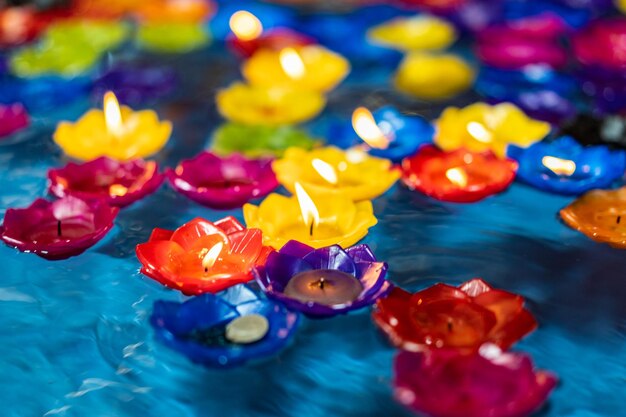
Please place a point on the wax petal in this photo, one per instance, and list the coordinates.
(295, 248)
(280, 268)
(199, 313)
(187, 234)
(331, 257)
(361, 253)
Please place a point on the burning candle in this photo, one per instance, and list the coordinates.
(13, 118)
(323, 282)
(119, 133)
(331, 171)
(420, 32)
(317, 221)
(309, 67)
(184, 11)
(172, 37)
(460, 176)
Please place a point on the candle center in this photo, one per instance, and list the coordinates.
(324, 286)
(59, 231)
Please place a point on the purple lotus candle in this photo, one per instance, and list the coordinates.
(136, 84)
(119, 183)
(223, 183)
(13, 118)
(59, 229)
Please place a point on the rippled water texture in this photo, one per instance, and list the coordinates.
(76, 339)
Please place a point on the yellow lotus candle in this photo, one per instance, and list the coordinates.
(422, 32)
(309, 67)
(256, 105)
(480, 127)
(329, 170)
(172, 37)
(315, 220)
(119, 133)
(433, 77)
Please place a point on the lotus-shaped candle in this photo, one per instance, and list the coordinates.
(225, 330)
(223, 183)
(565, 167)
(185, 11)
(43, 93)
(59, 229)
(13, 118)
(459, 176)
(480, 127)
(323, 282)
(172, 37)
(462, 318)
(202, 256)
(119, 183)
(119, 133)
(329, 170)
(546, 20)
(136, 84)
(506, 50)
(491, 383)
(269, 141)
(602, 44)
(607, 87)
(420, 32)
(308, 67)
(599, 215)
(99, 35)
(318, 220)
(255, 105)
(433, 77)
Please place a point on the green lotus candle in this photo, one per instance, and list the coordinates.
(172, 37)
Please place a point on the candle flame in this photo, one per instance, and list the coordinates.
(479, 132)
(211, 256)
(292, 63)
(112, 114)
(245, 25)
(559, 166)
(365, 126)
(457, 176)
(310, 215)
(325, 170)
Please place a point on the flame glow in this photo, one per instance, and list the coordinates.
(310, 215)
(559, 166)
(292, 63)
(112, 114)
(365, 126)
(479, 132)
(245, 25)
(209, 259)
(457, 176)
(325, 170)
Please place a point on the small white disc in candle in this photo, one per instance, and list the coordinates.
(247, 329)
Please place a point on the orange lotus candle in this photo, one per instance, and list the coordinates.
(119, 133)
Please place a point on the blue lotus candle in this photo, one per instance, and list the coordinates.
(323, 282)
(43, 93)
(224, 330)
(565, 167)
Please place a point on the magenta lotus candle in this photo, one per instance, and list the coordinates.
(441, 383)
(504, 49)
(13, 118)
(59, 229)
(119, 183)
(223, 183)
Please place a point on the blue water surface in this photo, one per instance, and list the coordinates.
(75, 334)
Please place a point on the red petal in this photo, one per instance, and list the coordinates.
(438, 292)
(160, 234)
(229, 225)
(516, 328)
(160, 258)
(188, 233)
(392, 315)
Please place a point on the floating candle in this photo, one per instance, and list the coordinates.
(13, 118)
(119, 183)
(307, 67)
(99, 35)
(119, 133)
(256, 105)
(601, 44)
(433, 77)
(172, 37)
(329, 170)
(225, 330)
(463, 318)
(459, 176)
(44, 59)
(565, 167)
(507, 51)
(479, 127)
(43, 94)
(59, 229)
(323, 282)
(223, 183)
(184, 11)
(598, 214)
(318, 221)
(201, 256)
(135, 84)
(19, 25)
(420, 32)
(269, 141)
(489, 383)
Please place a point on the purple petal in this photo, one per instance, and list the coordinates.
(295, 248)
(361, 253)
(280, 268)
(331, 257)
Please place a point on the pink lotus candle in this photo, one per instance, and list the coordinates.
(13, 118)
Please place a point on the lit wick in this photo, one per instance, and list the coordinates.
(59, 228)
(320, 283)
(450, 325)
(619, 219)
(313, 224)
(211, 256)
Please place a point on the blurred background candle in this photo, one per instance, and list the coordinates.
(136, 84)
(13, 118)
(422, 32)
(171, 37)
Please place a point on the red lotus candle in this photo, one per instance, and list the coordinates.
(603, 44)
(202, 256)
(119, 183)
(19, 25)
(248, 35)
(59, 229)
(462, 318)
(13, 118)
(459, 176)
